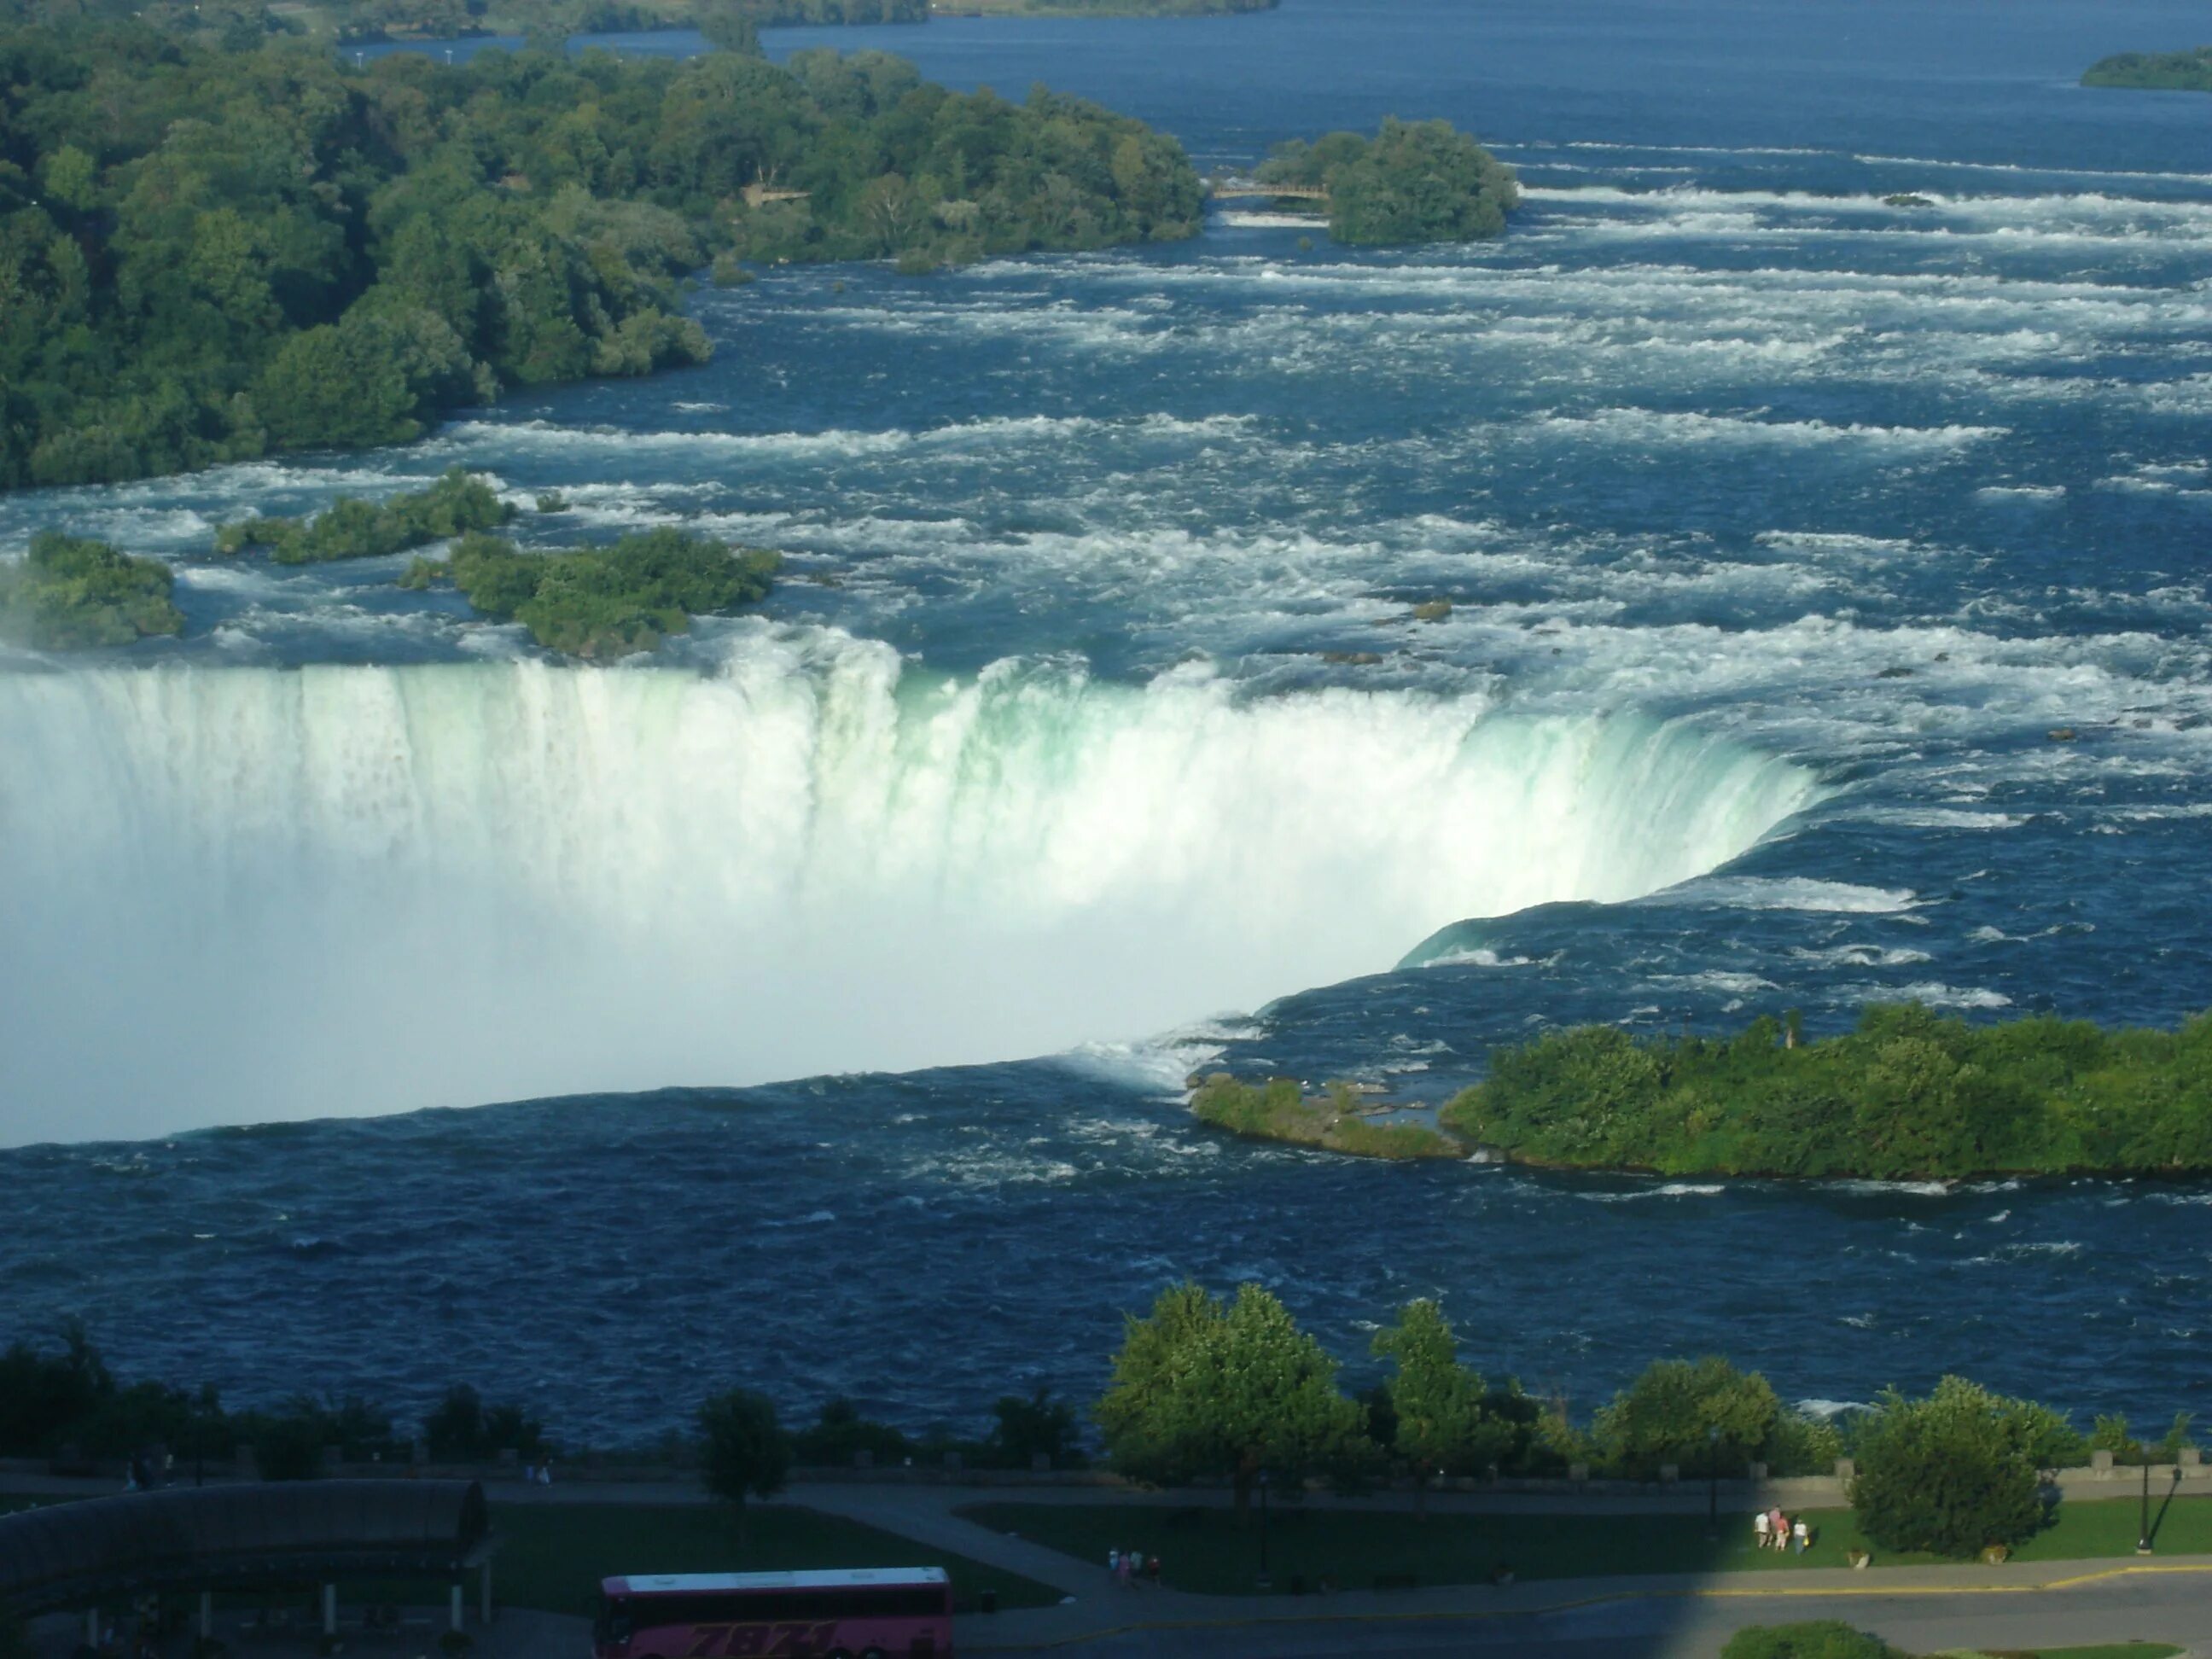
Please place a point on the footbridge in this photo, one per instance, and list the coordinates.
(1222, 190)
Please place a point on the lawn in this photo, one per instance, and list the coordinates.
(1202, 1549)
(552, 1556)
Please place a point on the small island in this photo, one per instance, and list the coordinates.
(1414, 181)
(68, 594)
(2155, 72)
(1336, 1121)
(350, 528)
(602, 602)
(1909, 1094)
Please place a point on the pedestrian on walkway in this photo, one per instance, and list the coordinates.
(1803, 1534)
(1759, 1525)
(1114, 1564)
(1152, 1570)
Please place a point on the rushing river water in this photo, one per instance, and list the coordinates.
(1783, 528)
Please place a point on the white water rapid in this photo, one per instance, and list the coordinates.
(239, 895)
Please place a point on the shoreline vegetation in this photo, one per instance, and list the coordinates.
(377, 22)
(2153, 71)
(211, 252)
(1907, 1096)
(1413, 182)
(602, 602)
(350, 528)
(67, 594)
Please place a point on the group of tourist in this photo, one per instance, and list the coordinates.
(1130, 1568)
(1772, 1530)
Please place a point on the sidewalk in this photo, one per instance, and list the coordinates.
(1107, 1612)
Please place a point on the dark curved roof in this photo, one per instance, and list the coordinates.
(213, 1537)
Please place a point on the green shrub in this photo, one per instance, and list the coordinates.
(601, 603)
(68, 594)
(1825, 1638)
(1908, 1094)
(463, 1429)
(1667, 1415)
(1950, 1474)
(353, 529)
(840, 1433)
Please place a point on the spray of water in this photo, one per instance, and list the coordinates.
(232, 895)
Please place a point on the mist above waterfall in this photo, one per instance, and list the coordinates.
(246, 894)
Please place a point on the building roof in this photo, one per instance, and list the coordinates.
(271, 1534)
(695, 1583)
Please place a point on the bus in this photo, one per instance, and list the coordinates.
(867, 1612)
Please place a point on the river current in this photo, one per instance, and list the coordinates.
(1827, 625)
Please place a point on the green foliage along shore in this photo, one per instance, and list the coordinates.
(1909, 1094)
(1278, 1109)
(604, 603)
(67, 594)
(353, 529)
(208, 254)
(2155, 72)
(1419, 181)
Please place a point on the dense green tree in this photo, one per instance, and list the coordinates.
(350, 528)
(1669, 1412)
(1413, 182)
(602, 602)
(2156, 72)
(841, 1432)
(1949, 1474)
(463, 1429)
(1909, 1094)
(746, 1452)
(68, 593)
(1443, 1422)
(1038, 1424)
(206, 254)
(1233, 1390)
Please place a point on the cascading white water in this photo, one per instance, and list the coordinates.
(234, 895)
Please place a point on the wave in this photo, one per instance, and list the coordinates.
(1794, 893)
(1657, 427)
(341, 888)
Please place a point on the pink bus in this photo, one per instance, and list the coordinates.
(870, 1612)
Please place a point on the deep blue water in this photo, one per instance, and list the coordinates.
(1783, 528)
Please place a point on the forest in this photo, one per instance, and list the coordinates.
(210, 253)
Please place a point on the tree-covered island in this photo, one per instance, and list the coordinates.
(1414, 181)
(212, 252)
(353, 529)
(1909, 1094)
(66, 594)
(2155, 72)
(601, 603)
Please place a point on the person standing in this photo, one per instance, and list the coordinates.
(1802, 1534)
(1759, 1525)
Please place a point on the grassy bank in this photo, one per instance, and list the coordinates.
(552, 1556)
(1278, 1110)
(1204, 1550)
